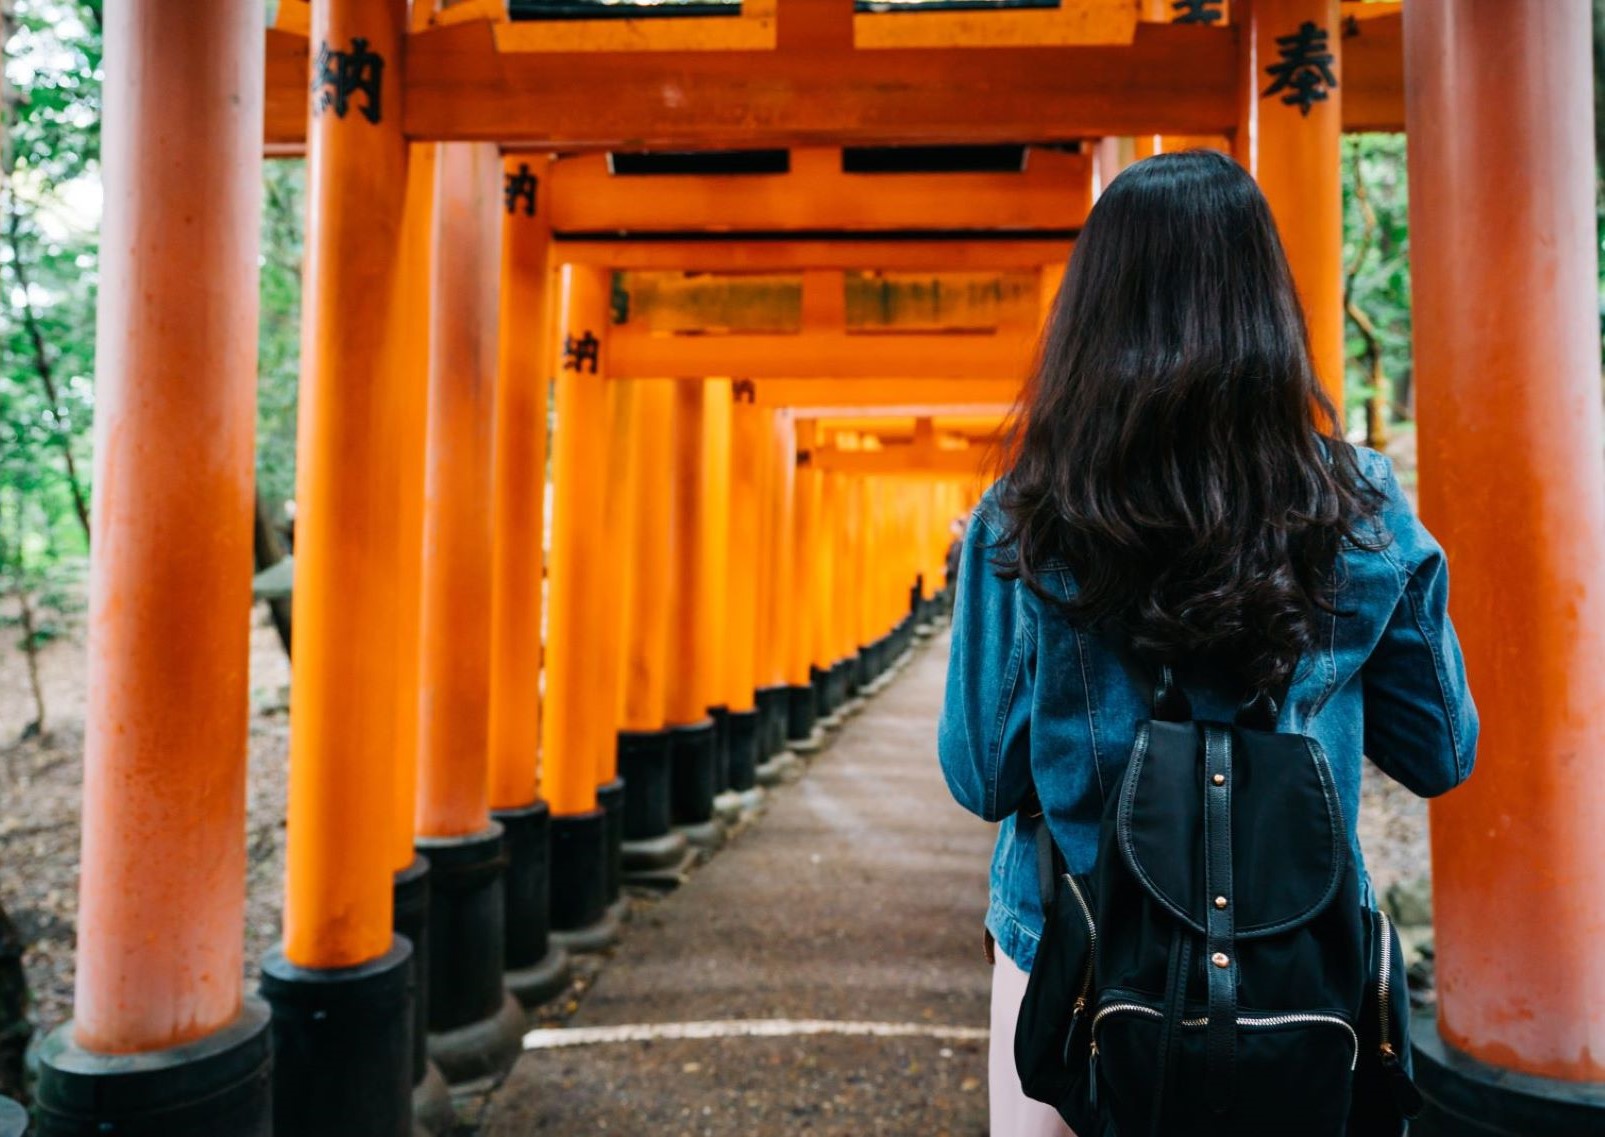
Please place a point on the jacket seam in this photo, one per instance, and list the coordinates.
(1438, 677)
(1010, 685)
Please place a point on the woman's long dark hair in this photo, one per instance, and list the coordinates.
(1175, 450)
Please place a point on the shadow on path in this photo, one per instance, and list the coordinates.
(857, 899)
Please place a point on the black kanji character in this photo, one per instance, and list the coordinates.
(744, 391)
(338, 75)
(520, 187)
(578, 352)
(1305, 72)
(1196, 12)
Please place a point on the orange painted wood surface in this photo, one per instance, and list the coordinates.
(454, 696)
(1508, 366)
(519, 538)
(162, 892)
(580, 711)
(646, 600)
(339, 860)
(408, 346)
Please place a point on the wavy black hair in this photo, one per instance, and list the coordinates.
(1174, 448)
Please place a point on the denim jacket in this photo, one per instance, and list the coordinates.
(1033, 700)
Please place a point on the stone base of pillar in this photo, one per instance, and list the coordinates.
(543, 980)
(721, 748)
(694, 780)
(534, 969)
(342, 1045)
(610, 800)
(705, 835)
(468, 1033)
(599, 935)
(479, 1052)
(410, 919)
(218, 1084)
(645, 762)
(801, 713)
(779, 769)
(744, 730)
(432, 1111)
(579, 882)
(653, 854)
(1467, 1098)
(771, 722)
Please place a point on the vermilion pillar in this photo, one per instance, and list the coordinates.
(744, 560)
(803, 607)
(646, 415)
(777, 592)
(535, 969)
(1289, 136)
(342, 971)
(688, 693)
(473, 1022)
(713, 601)
(1508, 393)
(162, 890)
(580, 708)
(407, 362)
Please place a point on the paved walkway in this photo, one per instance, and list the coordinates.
(857, 899)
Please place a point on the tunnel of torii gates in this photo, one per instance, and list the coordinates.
(782, 269)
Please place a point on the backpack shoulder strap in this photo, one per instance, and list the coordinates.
(1050, 862)
(1220, 1039)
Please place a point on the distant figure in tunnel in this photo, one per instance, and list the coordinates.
(1181, 501)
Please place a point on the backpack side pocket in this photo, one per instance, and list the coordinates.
(1052, 1039)
(1385, 1094)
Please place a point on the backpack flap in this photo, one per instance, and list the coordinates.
(1285, 833)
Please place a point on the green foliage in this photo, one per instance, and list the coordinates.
(1376, 257)
(279, 345)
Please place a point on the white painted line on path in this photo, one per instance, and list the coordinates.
(742, 1028)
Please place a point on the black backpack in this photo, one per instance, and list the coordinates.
(1217, 974)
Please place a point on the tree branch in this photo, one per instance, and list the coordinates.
(42, 365)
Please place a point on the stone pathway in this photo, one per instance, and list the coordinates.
(857, 899)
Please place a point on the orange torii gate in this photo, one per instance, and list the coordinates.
(413, 365)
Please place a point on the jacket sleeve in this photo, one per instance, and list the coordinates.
(984, 737)
(1420, 721)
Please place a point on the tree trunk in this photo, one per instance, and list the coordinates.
(30, 648)
(268, 551)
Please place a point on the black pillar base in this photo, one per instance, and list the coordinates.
(841, 675)
(469, 1037)
(721, 748)
(218, 1084)
(862, 674)
(610, 800)
(645, 763)
(801, 713)
(1467, 1098)
(819, 679)
(535, 970)
(579, 882)
(772, 719)
(744, 729)
(696, 773)
(410, 920)
(342, 1046)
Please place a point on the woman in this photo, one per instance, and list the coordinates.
(1179, 481)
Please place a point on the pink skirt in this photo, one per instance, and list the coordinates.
(1013, 1114)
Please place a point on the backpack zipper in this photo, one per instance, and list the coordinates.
(1086, 981)
(1242, 1020)
(1383, 983)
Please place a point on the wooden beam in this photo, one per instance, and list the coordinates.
(748, 254)
(1053, 192)
(970, 461)
(881, 412)
(1005, 354)
(816, 398)
(1170, 80)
